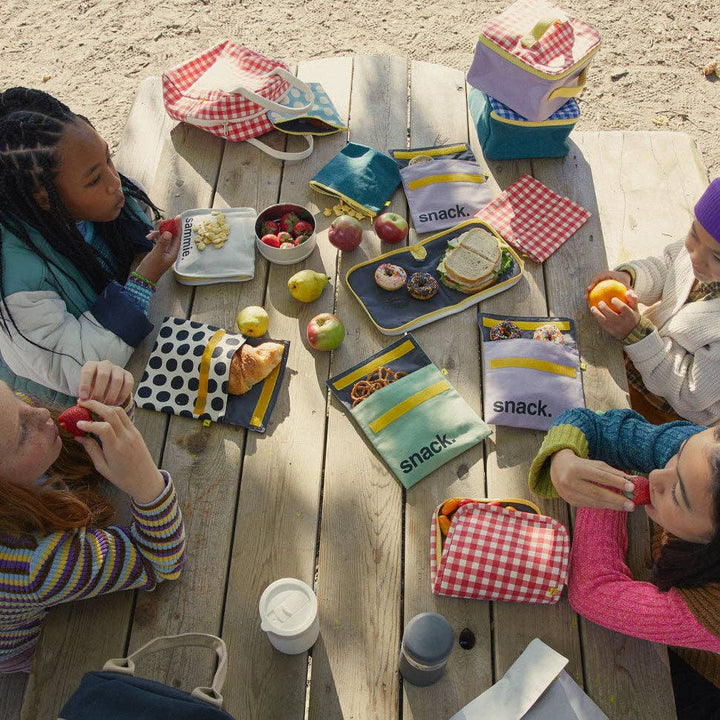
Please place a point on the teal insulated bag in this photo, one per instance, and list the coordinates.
(408, 410)
(505, 135)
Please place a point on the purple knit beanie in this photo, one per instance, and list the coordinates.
(707, 210)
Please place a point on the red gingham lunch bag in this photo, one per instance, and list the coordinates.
(497, 550)
(228, 90)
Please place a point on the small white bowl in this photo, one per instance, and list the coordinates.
(284, 256)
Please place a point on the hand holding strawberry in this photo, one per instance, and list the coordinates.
(154, 265)
(123, 457)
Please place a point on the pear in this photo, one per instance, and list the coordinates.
(307, 285)
(253, 321)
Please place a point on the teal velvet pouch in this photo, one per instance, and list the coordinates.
(362, 177)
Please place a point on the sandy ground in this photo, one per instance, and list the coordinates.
(93, 53)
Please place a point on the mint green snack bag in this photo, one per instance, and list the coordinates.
(418, 421)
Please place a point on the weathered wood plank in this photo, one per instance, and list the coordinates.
(509, 452)
(104, 621)
(641, 196)
(453, 346)
(277, 517)
(12, 689)
(359, 577)
(205, 462)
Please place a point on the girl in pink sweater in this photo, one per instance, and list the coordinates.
(680, 606)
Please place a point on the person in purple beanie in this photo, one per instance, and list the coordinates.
(672, 349)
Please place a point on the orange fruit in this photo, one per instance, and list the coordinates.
(606, 290)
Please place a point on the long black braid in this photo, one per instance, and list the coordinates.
(31, 125)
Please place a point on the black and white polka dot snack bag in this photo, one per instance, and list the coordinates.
(188, 373)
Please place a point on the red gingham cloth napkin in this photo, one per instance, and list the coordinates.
(493, 553)
(532, 218)
(562, 45)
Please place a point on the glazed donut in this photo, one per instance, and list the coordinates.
(549, 332)
(422, 286)
(390, 277)
(505, 330)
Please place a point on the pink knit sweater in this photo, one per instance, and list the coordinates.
(601, 588)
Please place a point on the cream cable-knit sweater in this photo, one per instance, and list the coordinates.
(680, 361)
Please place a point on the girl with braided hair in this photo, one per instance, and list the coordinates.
(70, 227)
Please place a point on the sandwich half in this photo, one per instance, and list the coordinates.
(472, 261)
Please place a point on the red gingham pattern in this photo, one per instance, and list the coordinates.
(532, 218)
(560, 47)
(238, 118)
(493, 553)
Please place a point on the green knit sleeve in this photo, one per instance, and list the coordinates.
(557, 438)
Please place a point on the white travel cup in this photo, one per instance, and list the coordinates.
(289, 615)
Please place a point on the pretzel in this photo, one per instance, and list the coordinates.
(377, 379)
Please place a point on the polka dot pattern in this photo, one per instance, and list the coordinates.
(322, 107)
(170, 382)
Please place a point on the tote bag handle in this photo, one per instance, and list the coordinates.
(270, 105)
(281, 154)
(210, 694)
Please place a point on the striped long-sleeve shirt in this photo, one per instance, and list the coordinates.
(37, 572)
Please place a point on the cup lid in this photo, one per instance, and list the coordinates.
(287, 607)
(428, 638)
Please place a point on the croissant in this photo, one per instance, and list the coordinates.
(252, 364)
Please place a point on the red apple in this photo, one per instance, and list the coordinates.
(325, 332)
(391, 227)
(345, 233)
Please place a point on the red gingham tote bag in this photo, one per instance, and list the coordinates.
(228, 90)
(498, 550)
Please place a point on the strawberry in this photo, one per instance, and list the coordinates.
(169, 225)
(68, 419)
(302, 227)
(285, 237)
(271, 240)
(288, 221)
(641, 493)
(270, 227)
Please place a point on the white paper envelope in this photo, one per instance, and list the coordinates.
(535, 687)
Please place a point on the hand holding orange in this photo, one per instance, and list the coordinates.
(605, 291)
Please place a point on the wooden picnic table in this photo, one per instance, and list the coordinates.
(309, 499)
